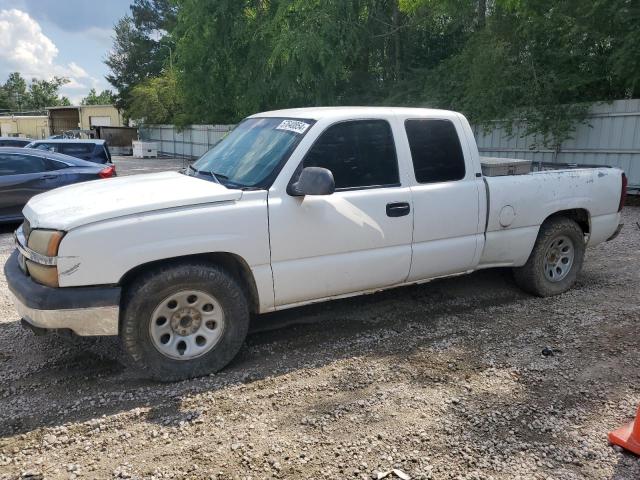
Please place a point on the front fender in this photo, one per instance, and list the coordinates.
(101, 253)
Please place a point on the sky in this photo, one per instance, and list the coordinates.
(68, 38)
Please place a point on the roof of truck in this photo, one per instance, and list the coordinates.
(317, 113)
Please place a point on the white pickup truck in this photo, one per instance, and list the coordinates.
(293, 207)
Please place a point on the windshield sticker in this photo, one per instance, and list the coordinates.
(293, 126)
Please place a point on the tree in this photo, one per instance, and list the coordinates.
(106, 97)
(290, 53)
(157, 100)
(44, 93)
(15, 96)
(141, 46)
(541, 63)
(14, 92)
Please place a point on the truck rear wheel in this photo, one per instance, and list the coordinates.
(556, 259)
(184, 321)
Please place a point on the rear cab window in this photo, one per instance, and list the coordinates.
(436, 152)
(360, 154)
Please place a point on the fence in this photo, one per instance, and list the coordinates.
(611, 136)
(188, 143)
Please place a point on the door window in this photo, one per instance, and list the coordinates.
(360, 154)
(21, 164)
(435, 150)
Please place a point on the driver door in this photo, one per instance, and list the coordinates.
(356, 239)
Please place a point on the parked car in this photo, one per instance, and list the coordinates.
(25, 173)
(295, 207)
(96, 151)
(14, 142)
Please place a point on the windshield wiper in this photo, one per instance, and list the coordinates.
(218, 176)
(207, 172)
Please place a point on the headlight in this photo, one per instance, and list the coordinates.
(44, 242)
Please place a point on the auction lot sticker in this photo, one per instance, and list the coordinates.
(293, 126)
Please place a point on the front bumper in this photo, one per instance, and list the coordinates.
(87, 311)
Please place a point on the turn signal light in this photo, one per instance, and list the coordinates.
(107, 172)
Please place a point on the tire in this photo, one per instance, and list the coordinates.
(555, 239)
(218, 320)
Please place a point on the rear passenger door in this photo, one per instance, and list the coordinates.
(448, 230)
(354, 239)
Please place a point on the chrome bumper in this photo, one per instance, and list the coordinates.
(95, 321)
(87, 311)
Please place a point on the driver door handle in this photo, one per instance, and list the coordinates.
(398, 209)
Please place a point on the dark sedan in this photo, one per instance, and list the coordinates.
(25, 173)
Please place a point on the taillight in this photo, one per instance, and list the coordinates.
(107, 172)
(623, 192)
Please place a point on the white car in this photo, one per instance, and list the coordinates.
(294, 207)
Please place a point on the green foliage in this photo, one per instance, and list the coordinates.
(541, 62)
(141, 46)
(44, 93)
(157, 100)
(13, 94)
(16, 96)
(239, 57)
(106, 97)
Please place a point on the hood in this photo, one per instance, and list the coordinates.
(75, 205)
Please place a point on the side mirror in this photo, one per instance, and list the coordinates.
(313, 181)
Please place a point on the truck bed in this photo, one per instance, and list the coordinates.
(519, 204)
(502, 166)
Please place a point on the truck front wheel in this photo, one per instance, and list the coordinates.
(184, 321)
(556, 259)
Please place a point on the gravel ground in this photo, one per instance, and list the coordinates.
(442, 381)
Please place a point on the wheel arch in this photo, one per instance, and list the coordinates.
(579, 215)
(231, 262)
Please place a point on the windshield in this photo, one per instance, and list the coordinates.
(253, 152)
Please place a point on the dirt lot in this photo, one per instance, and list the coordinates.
(443, 381)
